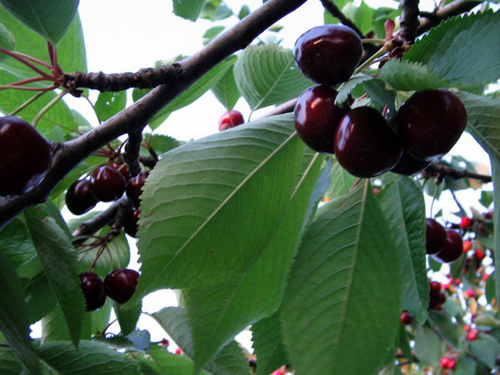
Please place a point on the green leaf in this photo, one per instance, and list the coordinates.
(444, 325)
(188, 9)
(268, 345)
(193, 93)
(161, 143)
(341, 181)
(485, 349)
(404, 206)
(197, 226)
(14, 317)
(127, 318)
(461, 49)
(59, 263)
(428, 346)
(360, 14)
(40, 298)
(212, 33)
(7, 41)
(219, 312)
(9, 363)
(347, 87)
(166, 363)
(109, 104)
(49, 18)
(90, 357)
(346, 254)
(226, 91)
(409, 76)
(267, 75)
(230, 361)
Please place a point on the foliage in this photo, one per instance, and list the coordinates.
(250, 226)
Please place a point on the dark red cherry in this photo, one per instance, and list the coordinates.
(123, 168)
(93, 290)
(107, 184)
(25, 156)
(435, 236)
(406, 318)
(230, 120)
(134, 187)
(120, 284)
(79, 197)
(452, 249)
(430, 122)
(131, 223)
(408, 165)
(328, 54)
(365, 145)
(317, 117)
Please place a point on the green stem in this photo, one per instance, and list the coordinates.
(26, 103)
(371, 40)
(382, 51)
(48, 106)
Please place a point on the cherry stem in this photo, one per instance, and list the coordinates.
(382, 51)
(27, 103)
(373, 40)
(44, 89)
(53, 59)
(97, 256)
(48, 106)
(21, 57)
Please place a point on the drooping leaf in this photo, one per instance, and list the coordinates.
(127, 318)
(91, 357)
(188, 9)
(49, 18)
(408, 76)
(267, 75)
(345, 256)
(453, 48)
(197, 226)
(219, 312)
(58, 258)
(404, 207)
(14, 322)
(226, 91)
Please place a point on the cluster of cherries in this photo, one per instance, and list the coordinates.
(106, 184)
(445, 245)
(424, 128)
(436, 295)
(119, 285)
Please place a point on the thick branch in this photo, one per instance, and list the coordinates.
(409, 20)
(453, 9)
(135, 117)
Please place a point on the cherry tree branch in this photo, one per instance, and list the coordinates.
(453, 9)
(134, 118)
(409, 20)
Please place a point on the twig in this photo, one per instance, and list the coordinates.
(337, 13)
(456, 174)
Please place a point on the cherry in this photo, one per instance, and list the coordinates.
(25, 156)
(445, 362)
(93, 290)
(123, 168)
(134, 186)
(131, 223)
(435, 236)
(465, 222)
(120, 284)
(364, 144)
(453, 247)
(467, 245)
(408, 165)
(79, 197)
(107, 184)
(430, 122)
(435, 286)
(328, 54)
(230, 120)
(317, 117)
(406, 318)
(472, 335)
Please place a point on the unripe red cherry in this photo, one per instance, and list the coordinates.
(465, 222)
(452, 249)
(317, 117)
(107, 184)
(25, 156)
(120, 284)
(365, 145)
(93, 290)
(406, 318)
(79, 197)
(472, 335)
(134, 186)
(230, 120)
(328, 54)
(435, 236)
(430, 122)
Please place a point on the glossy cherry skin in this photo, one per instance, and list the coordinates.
(132, 223)
(25, 156)
(107, 184)
(134, 187)
(435, 236)
(317, 117)
(406, 318)
(408, 165)
(79, 197)
(328, 54)
(452, 248)
(230, 120)
(430, 122)
(93, 290)
(364, 144)
(120, 284)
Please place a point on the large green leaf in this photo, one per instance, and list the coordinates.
(6, 41)
(188, 9)
(219, 312)
(461, 50)
(203, 201)
(226, 91)
(404, 206)
(9, 363)
(90, 357)
(49, 18)
(14, 317)
(267, 75)
(483, 114)
(58, 258)
(343, 296)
